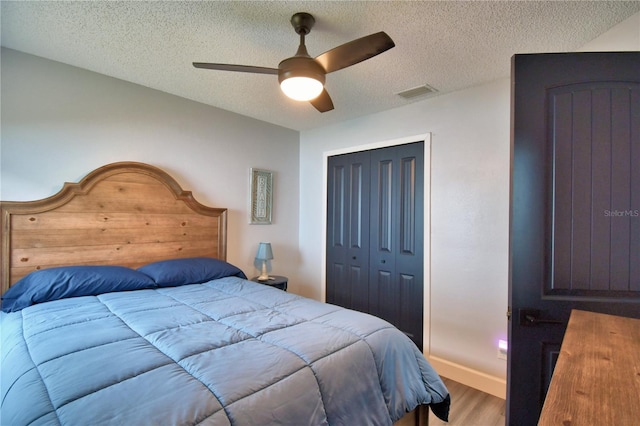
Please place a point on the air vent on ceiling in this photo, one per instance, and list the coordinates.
(417, 91)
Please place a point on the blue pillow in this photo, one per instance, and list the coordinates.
(193, 270)
(72, 281)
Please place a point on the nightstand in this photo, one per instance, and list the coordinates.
(276, 281)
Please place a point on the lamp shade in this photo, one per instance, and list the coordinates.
(264, 252)
(301, 78)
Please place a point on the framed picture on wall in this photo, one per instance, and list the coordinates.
(261, 196)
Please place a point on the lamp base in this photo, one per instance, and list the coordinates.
(264, 275)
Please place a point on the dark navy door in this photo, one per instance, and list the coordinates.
(575, 207)
(348, 230)
(375, 235)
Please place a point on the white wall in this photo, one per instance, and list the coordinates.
(470, 166)
(623, 37)
(60, 122)
(469, 212)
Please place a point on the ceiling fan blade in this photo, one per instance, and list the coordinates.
(239, 68)
(323, 102)
(355, 51)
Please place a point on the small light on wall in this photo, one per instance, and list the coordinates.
(264, 254)
(503, 348)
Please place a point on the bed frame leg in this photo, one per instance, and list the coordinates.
(422, 415)
(417, 417)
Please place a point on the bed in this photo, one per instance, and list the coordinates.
(119, 308)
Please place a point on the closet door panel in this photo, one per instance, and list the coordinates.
(410, 255)
(375, 234)
(384, 301)
(397, 235)
(336, 231)
(358, 217)
(348, 230)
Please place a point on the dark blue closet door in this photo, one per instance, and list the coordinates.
(396, 250)
(348, 230)
(375, 235)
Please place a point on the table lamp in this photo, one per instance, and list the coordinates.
(264, 253)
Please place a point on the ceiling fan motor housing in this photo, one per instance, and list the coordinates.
(300, 66)
(302, 22)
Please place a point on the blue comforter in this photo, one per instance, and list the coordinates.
(228, 351)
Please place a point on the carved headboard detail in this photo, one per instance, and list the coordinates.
(126, 214)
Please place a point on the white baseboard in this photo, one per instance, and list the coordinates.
(470, 377)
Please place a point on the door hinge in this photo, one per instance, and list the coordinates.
(509, 313)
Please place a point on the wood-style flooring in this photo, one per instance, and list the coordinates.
(471, 407)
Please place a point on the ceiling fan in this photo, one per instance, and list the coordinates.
(302, 77)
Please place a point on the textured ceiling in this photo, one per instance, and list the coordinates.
(448, 45)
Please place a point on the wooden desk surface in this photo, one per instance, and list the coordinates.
(596, 380)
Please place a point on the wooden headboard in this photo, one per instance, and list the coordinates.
(126, 214)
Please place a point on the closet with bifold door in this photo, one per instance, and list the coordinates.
(375, 234)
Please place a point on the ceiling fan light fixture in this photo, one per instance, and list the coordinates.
(301, 78)
(301, 88)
